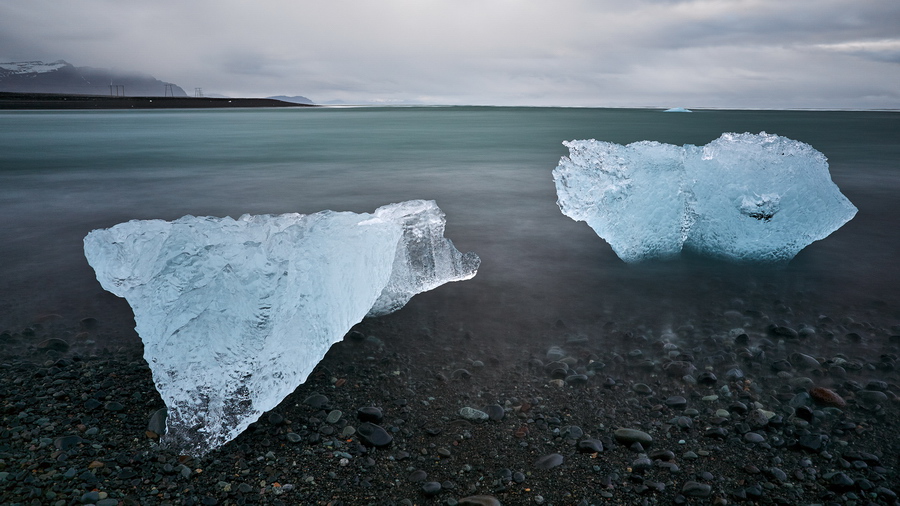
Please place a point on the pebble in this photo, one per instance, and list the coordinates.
(479, 500)
(334, 416)
(753, 437)
(431, 488)
(549, 461)
(676, 401)
(369, 414)
(67, 442)
(157, 422)
(641, 388)
(373, 435)
(473, 414)
(695, 489)
(630, 436)
(590, 446)
(495, 412)
(316, 401)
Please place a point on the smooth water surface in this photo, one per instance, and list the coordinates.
(63, 174)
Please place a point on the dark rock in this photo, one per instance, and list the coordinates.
(706, 378)
(630, 436)
(431, 488)
(157, 423)
(590, 446)
(495, 412)
(479, 500)
(369, 414)
(53, 344)
(66, 442)
(549, 461)
(373, 435)
(695, 489)
(417, 476)
(316, 401)
(782, 331)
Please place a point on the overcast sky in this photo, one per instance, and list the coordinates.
(668, 53)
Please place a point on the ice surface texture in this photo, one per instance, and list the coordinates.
(742, 197)
(235, 314)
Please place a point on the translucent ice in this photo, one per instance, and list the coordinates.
(235, 314)
(744, 197)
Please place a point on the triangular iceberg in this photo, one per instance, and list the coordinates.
(235, 314)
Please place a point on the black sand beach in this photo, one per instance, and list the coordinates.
(712, 415)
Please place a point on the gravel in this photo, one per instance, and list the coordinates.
(785, 411)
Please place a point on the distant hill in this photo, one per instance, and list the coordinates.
(63, 77)
(296, 99)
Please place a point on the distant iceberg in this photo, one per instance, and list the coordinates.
(678, 109)
(742, 197)
(235, 314)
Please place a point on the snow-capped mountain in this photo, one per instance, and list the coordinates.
(63, 77)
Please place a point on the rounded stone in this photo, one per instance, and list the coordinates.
(549, 461)
(373, 435)
(827, 397)
(631, 436)
(495, 412)
(472, 414)
(479, 500)
(369, 414)
(590, 446)
(431, 488)
(695, 489)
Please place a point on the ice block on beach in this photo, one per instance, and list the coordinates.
(235, 314)
(742, 197)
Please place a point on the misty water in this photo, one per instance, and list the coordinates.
(63, 174)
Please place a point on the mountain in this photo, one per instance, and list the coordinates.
(296, 99)
(63, 77)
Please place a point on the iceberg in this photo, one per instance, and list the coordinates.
(235, 314)
(742, 197)
(678, 109)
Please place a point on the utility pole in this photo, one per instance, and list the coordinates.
(114, 89)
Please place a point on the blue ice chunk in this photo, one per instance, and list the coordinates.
(742, 197)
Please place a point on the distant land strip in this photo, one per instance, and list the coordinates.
(9, 100)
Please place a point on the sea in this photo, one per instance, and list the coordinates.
(543, 275)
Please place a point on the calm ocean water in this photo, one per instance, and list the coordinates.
(63, 174)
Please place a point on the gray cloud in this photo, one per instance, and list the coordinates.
(716, 53)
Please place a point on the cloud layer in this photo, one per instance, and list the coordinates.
(713, 53)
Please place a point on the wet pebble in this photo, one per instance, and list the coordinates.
(590, 446)
(431, 488)
(630, 436)
(696, 489)
(373, 435)
(479, 500)
(369, 414)
(472, 414)
(494, 412)
(549, 461)
(676, 402)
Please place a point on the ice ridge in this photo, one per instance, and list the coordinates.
(742, 197)
(235, 314)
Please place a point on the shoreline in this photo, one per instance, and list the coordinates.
(53, 101)
(718, 418)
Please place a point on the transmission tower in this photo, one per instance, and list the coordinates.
(169, 91)
(115, 89)
(198, 92)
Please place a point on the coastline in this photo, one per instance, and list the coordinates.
(51, 101)
(711, 417)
